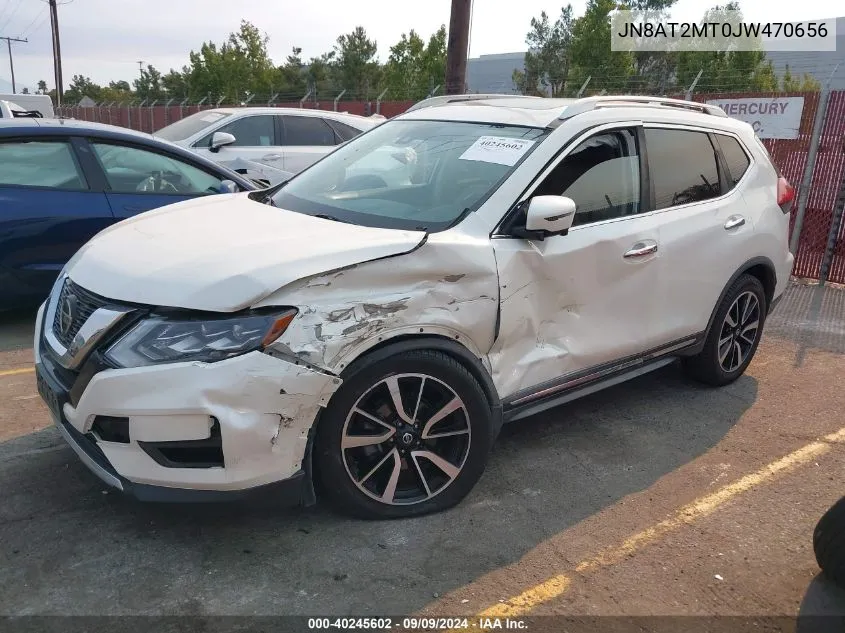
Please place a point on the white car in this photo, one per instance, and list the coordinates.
(373, 337)
(286, 139)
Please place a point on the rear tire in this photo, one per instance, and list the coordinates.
(374, 462)
(829, 542)
(734, 336)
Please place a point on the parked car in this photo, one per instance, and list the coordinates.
(63, 181)
(288, 139)
(829, 542)
(11, 110)
(42, 104)
(373, 334)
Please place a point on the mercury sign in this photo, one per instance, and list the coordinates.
(779, 117)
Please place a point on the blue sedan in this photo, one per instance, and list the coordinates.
(63, 181)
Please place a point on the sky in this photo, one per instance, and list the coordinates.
(105, 39)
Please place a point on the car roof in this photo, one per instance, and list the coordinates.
(545, 112)
(75, 127)
(295, 111)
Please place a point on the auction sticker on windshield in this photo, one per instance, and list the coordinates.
(497, 149)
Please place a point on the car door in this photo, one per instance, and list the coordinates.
(574, 303)
(139, 179)
(306, 139)
(257, 139)
(703, 224)
(49, 208)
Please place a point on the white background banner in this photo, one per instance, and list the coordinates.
(772, 118)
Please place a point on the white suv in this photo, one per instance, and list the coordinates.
(285, 139)
(369, 330)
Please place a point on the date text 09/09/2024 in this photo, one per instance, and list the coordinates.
(417, 624)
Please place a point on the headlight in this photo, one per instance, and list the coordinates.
(166, 340)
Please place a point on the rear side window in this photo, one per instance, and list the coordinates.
(735, 157)
(49, 164)
(344, 131)
(308, 130)
(683, 167)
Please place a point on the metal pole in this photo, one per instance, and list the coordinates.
(301, 101)
(694, 84)
(806, 180)
(337, 98)
(457, 48)
(584, 87)
(378, 101)
(152, 116)
(272, 99)
(167, 111)
(182, 108)
(57, 51)
(433, 92)
(9, 41)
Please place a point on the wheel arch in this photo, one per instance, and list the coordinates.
(396, 345)
(760, 267)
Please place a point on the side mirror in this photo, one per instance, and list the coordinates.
(220, 139)
(546, 216)
(228, 186)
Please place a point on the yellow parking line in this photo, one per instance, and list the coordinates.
(15, 372)
(700, 508)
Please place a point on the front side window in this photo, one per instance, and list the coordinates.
(683, 167)
(48, 164)
(602, 176)
(417, 175)
(134, 170)
(308, 130)
(249, 131)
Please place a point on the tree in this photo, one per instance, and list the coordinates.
(726, 70)
(148, 87)
(290, 78)
(792, 84)
(590, 53)
(357, 67)
(79, 87)
(25, 91)
(414, 68)
(653, 70)
(42, 87)
(548, 60)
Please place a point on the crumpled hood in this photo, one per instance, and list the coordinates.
(222, 253)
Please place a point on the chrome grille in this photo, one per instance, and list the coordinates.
(86, 303)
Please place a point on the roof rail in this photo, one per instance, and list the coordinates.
(594, 103)
(446, 99)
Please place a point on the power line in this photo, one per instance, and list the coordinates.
(9, 41)
(11, 15)
(40, 14)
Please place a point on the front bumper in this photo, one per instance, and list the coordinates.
(248, 418)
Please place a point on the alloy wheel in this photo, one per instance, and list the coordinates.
(739, 332)
(406, 439)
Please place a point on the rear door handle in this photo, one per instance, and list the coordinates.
(641, 249)
(734, 221)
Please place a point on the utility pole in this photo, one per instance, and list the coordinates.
(457, 47)
(9, 41)
(141, 67)
(57, 51)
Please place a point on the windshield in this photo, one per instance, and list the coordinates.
(417, 175)
(187, 127)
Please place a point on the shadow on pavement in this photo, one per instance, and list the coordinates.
(16, 329)
(823, 608)
(70, 547)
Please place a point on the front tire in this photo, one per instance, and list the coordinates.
(829, 542)
(404, 436)
(734, 336)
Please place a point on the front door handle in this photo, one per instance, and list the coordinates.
(641, 249)
(734, 222)
(271, 157)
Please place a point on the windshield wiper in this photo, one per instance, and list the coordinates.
(325, 216)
